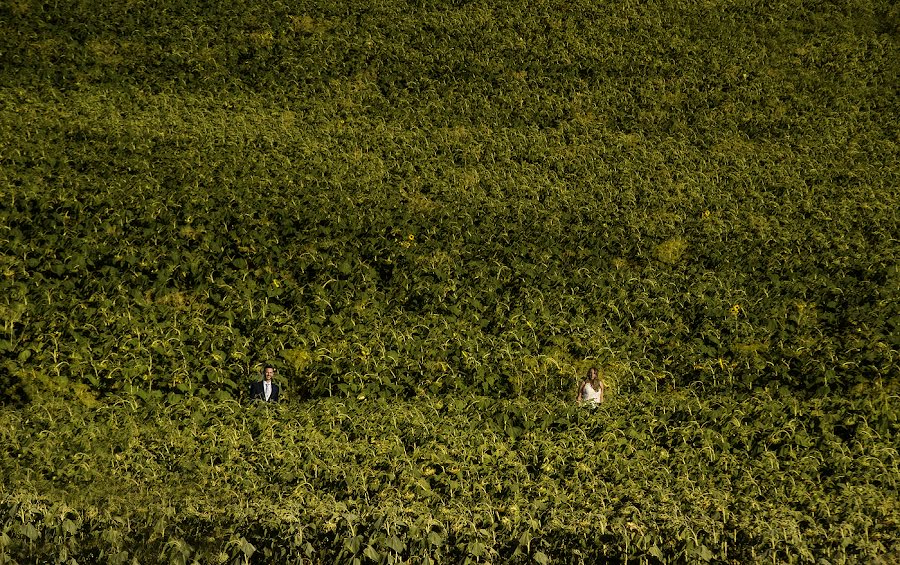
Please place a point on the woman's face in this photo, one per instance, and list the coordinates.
(592, 374)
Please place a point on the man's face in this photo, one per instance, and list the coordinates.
(270, 372)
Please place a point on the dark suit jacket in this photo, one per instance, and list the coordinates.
(257, 392)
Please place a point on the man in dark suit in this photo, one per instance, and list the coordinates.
(265, 390)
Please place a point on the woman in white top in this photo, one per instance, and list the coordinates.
(591, 389)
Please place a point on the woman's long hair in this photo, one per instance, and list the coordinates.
(593, 376)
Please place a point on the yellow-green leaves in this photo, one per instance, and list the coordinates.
(664, 476)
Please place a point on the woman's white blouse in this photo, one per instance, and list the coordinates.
(591, 395)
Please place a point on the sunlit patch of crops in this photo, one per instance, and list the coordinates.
(667, 477)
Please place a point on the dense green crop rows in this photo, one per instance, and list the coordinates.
(452, 200)
(382, 194)
(471, 478)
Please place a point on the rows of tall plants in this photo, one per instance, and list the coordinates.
(464, 479)
(432, 217)
(390, 197)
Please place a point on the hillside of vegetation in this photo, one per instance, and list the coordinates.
(450, 210)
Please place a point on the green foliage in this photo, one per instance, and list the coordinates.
(452, 200)
(448, 197)
(648, 477)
